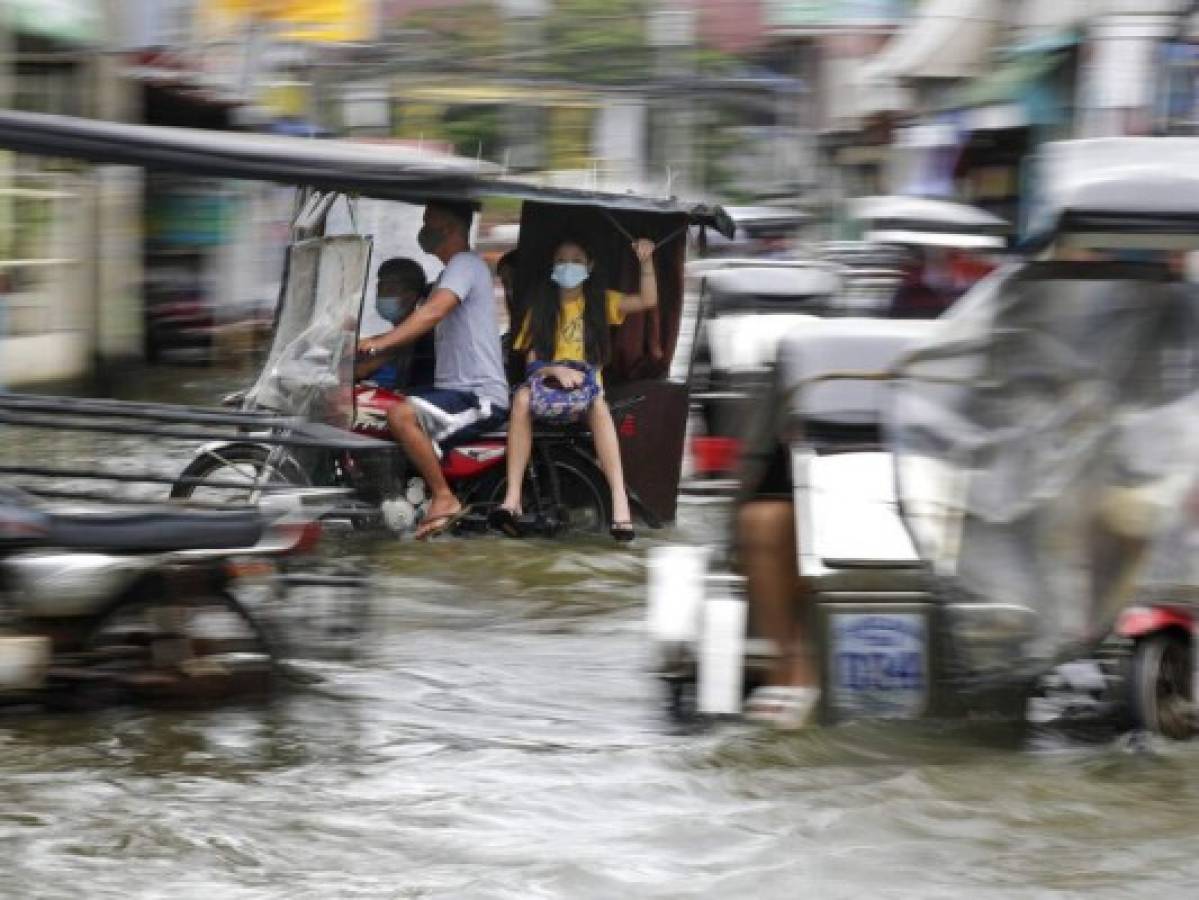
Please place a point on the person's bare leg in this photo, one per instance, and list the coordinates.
(607, 448)
(767, 550)
(520, 445)
(406, 429)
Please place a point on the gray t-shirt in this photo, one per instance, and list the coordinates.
(467, 341)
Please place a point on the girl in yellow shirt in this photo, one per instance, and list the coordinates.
(566, 325)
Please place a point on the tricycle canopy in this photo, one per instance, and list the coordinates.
(754, 222)
(899, 219)
(772, 288)
(1120, 193)
(386, 172)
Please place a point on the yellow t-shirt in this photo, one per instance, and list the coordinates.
(569, 343)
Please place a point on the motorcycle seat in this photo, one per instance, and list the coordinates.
(154, 531)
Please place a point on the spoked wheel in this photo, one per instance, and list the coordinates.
(1160, 693)
(187, 651)
(244, 467)
(584, 497)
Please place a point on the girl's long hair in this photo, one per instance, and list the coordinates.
(546, 307)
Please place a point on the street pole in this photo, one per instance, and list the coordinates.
(672, 35)
(7, 95)
(523, 128)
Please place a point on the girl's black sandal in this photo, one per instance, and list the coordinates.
(503, 519)
(622, 532)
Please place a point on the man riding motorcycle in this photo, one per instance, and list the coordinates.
(470, 392)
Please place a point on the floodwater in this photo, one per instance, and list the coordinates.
(499, 736)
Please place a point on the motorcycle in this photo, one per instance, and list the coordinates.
(564, 488)
(309, 374)
(145, 604)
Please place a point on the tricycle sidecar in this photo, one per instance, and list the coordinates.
(1032, 499)
(878, 623)
(330, 266)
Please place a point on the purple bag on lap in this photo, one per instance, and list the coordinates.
(550, 403)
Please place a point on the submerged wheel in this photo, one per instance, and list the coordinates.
(244, 467)
(188, 650)
(1160, 693)
(585, 496)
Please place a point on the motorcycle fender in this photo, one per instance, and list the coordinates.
(64, 585)
(1138, 621)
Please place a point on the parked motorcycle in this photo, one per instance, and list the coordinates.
(142, 604)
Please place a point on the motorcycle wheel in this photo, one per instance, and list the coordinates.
(1160, 694)
(585, 497)
(189, 650)
(234, 464)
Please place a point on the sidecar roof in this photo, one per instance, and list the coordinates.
(1123, 192)
(383, 171)
(796, 280)
(925, 221)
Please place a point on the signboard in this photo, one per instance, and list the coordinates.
(195, 216)
(878, 664)
(316, 21)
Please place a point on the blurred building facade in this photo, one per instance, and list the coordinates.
(68, 259)
(952, 97)
(806, 101)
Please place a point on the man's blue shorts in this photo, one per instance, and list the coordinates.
(451, 417)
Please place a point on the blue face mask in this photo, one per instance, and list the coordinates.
(392, 309)
(569, 275)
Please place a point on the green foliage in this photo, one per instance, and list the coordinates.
(474, 130)
(585, 41)
(502, 209)
(597, 41)
(461, 35)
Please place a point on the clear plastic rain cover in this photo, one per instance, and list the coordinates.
(310, 369)
(1047, 441)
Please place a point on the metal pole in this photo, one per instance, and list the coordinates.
(7, 95)
(525, 127)
(672, 36)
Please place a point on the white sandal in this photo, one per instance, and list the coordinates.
(786, 708)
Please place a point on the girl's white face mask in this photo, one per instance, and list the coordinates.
(569, 275)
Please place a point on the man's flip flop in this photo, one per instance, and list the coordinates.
(441, 524)
(503, 519)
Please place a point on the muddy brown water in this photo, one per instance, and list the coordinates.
(499, 736)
